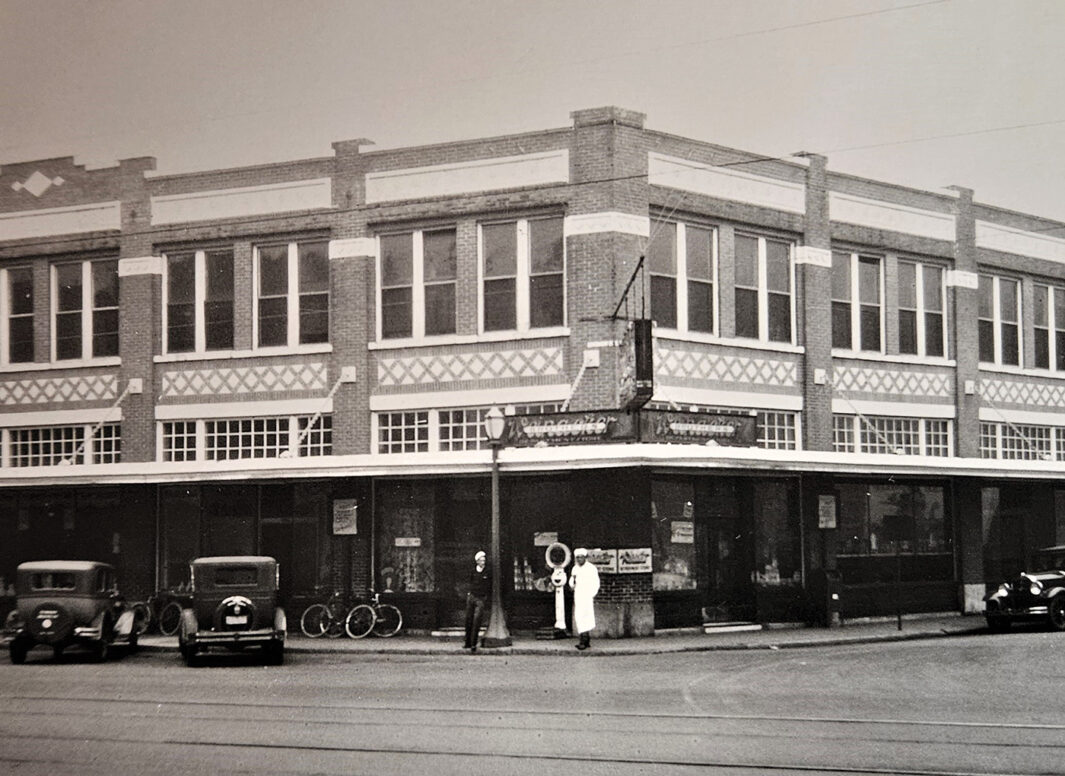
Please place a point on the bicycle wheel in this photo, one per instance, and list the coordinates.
(315, 621)
(360, 621)
(170, 619)
(142, 617)
(334, 629)
(389, 621)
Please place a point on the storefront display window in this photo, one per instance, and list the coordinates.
(777, 536)
(888, 519)
(673, 535)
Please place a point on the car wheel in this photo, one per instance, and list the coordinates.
(17, 649)
(998, 624)
(57, 651)
(275, 653)
(100, 651)
(1056, 613)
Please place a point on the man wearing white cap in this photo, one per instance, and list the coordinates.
(584, 582)
(476, 598)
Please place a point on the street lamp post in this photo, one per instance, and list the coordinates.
(496, 634)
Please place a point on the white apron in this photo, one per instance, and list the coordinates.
(585, 583)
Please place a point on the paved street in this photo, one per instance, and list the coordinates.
(966, 704)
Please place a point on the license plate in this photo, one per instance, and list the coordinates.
(236, 620)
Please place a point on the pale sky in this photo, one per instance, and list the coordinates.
(923, 93)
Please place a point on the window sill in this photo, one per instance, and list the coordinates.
(220, 355)
(92, 363)
(868, 355)
(553, 332)
(1022, 371)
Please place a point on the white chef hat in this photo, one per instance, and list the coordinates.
(579, 551)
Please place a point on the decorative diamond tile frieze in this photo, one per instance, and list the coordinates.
(1049, 395)
(37, 184)
(672, 362)
(894, 382)
(455, 367)
(271, 378)
(54, 390)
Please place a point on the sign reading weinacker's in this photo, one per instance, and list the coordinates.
(616, 426)
(699, 428)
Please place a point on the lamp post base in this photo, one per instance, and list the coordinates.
(489, 642)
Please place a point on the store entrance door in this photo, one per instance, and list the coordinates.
(729, 593)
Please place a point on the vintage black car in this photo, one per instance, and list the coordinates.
(65, 603)
(234, 605)
(1037, 594)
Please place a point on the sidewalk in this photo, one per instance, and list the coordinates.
(664, 642)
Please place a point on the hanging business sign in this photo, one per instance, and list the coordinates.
(604, 560)
(699, 428)
(636, 365)
(635, 560)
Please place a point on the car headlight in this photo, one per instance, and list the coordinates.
(1036, 587)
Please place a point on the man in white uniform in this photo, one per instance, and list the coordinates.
(584, 582)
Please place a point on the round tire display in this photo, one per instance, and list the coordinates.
(236, 613)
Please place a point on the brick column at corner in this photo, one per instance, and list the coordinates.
(607, 226)
(963, 282)
(814, 265)
(138, 332)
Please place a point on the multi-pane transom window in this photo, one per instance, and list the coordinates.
(420, 431)
(891, 435)
(199, 301)
(292, 286)
(238, 438)
(1048, 319)
(763, 289)
(61, 445)
(1016, 442)
(522, 274)
(403, 432)
(857, 302)
(16, 315)
(418, 277)
(681, 261)
(921, 306)
(85, 309)
(999, 320)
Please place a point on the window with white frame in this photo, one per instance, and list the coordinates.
(774, 429)
(763, 289)
(999, 319)
(681, 261)
(891, 435)
(198, 301)
(857, 303)
(292, 293)
(461, 428)
(418, 275)
(1048, 319)
(522, 274)
(60, 445)
(85, 309)
(921, 298)
(1017, 442)
(239, 438)
(403, 432)
(16, 315)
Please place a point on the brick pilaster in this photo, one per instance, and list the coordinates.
(815, 276)
(963, 282)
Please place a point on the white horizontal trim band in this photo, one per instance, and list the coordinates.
(1023, 417)
(144, 265)
(523, 394)
(893, 409)
(612, 221)
(243, 409)
(741, 399)
(59, 417)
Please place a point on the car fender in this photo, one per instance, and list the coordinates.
(280, 621)
(1057, 591)
(124, 624)
(189, 625)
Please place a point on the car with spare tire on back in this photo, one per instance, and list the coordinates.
(69, 603)
(234, 606)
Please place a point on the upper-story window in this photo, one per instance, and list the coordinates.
(857, 304)
(418, 278)
(199, 301)
(292, 293)
(1049, 324)
(1000, 320)
(921, 306)
(85, 309)
(522, 275)
(764, 282)
(16, 315)
(681, 260)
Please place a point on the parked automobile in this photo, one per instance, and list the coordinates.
(234, 605)
(1036, 594)
(65, 603)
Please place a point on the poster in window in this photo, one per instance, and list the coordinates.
(682, 532)
(345, 514)
(826, 511)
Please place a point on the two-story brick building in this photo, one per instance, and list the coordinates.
(295, 359)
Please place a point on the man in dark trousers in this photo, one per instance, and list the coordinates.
(477, 599)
